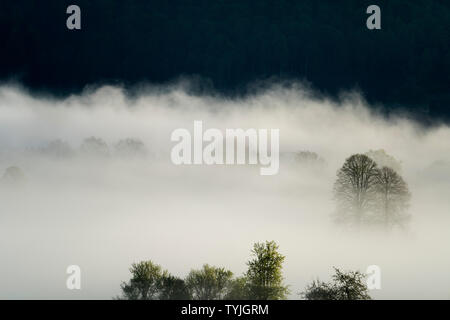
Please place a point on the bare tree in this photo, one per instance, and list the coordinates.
(393, 198)
(355, 189)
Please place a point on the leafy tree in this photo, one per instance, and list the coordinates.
(173, 288)
(393, 198)
(209, 283)
(265, 278)
(319, 290)
(238, 289)
(146, 281)
(355, 189)
(350, 285)
(344, 286)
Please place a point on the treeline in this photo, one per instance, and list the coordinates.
(262, 281)
(233, 43)
(93, 146)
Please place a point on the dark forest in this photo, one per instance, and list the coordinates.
(230, 46)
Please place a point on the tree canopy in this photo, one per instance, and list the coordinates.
(262, 281)
(265, 277)
(344, 286)
(209, 283)
(366, 193)
(145, 283)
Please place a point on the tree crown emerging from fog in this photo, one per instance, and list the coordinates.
(367, 194)
(354, 189)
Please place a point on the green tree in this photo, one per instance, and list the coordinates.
(209, 283)
(173, 288)
(238, 289)
(350, 285)
(145, 283)
(265, 278)
(344, 286)
(319, 290)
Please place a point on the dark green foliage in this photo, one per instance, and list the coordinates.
(150, 282)
(263, 281)
(173, 288)
(145, 283)
(209, 283)
(238, 289)
(319, 290)
(345, 286)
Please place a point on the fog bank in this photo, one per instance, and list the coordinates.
(104, 210)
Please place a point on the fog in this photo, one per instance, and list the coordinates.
(106, 211)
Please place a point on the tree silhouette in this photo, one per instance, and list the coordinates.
(393, 198)
(355, 189)
(364, 193)
(344, 286)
